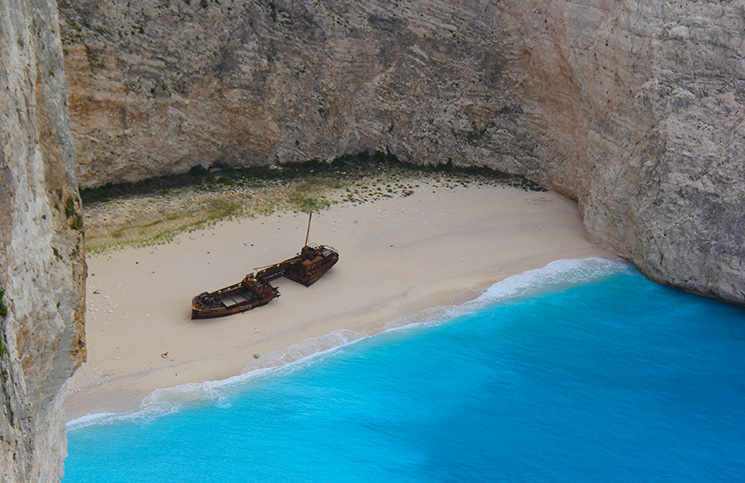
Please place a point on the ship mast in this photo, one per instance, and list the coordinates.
(307, 234)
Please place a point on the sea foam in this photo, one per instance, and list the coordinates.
(613, 378)
(555, 276)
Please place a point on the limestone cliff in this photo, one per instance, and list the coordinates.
(158, 87)
(633, 107)
(641, 106)
(41, 244)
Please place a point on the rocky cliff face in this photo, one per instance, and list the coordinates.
(641, 111)
(634, 108)
(160, 86)
(41, 244)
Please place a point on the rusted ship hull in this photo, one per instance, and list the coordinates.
(255, 290)
(311, 264)
(245, 295)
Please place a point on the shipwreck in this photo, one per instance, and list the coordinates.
(256, 290)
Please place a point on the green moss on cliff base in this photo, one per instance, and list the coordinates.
(347, 167)
(155, 210)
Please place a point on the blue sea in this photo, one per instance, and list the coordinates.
(583, 371)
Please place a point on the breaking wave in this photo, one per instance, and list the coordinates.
(557, 275)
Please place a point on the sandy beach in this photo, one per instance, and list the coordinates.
(438, 246)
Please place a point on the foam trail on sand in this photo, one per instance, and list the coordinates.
(557, 275)
(167, 400)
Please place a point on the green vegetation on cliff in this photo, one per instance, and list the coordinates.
(154, 210)
(341, 169)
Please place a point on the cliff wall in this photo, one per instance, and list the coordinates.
(640, 112)
(41, 244)
(634, 108)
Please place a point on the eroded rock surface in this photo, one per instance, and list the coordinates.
(41, 244)
(634, 108)
(641, 105)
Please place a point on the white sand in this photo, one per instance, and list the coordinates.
(397, 257)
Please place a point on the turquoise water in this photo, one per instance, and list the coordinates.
(583, 371)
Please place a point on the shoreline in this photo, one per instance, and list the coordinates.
(540, 280)
(398, 257)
